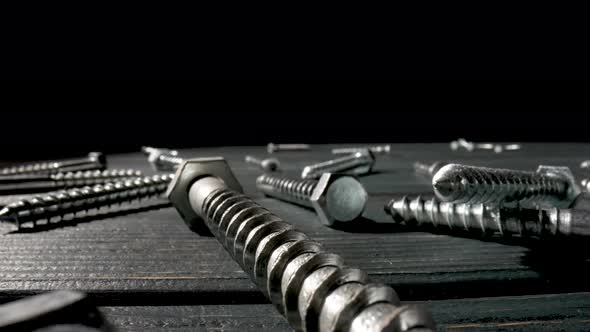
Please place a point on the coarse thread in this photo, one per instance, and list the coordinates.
(306, 283)
(292, 190)
(75, 200)
(479, 218)
(92, 162)
(86, 178)
(470, 184)
(170, 161)
(357, 163)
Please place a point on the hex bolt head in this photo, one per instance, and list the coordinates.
(338, 198)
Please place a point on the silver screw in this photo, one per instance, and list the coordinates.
(268, 164)
(585, 164)
(94, 160)
(358, 163)
(470, 184)
(429, 169)
(162, 159)
(311, 287)
(61, 203)
(490, 219)
(271, 147)
(380, 149)
(36, 183)
(471, 146)
(335, 198)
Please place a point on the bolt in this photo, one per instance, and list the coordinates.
(37, 183)
(490, 219)
(428, 170)
(268, 164)
(161, 159)
(311, 287)
(335, 198)
(471, 146)
(94, 160)
(470, 184)
(358, 163)
(382, 149)
(271, 148)
(61, 203)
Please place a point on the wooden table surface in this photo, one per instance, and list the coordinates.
(148, 272)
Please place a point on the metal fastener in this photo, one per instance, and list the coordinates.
(61, 203)
(429, 170)
(490, 219)
(272, 148)
(358, 163)
(281, 260)
(268, 164)
(161, 159)
(94, 160)
(470, 184)
(28, 183)
(471, 146)
(379, 149)
(335, 198)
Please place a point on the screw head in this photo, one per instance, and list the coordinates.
(338, 198)
(189, 172)
(564, 173)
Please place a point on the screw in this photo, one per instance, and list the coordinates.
(381, 149)
(333, 197)
(311, 287)
(271, 148)
(428, 170)
(358, 163)
(490, 219)
(471, 146)
(585, 164)
(94, 160)
(162, 159)
(268, 164)
(35, 183)
(470, 184)
(60, 203)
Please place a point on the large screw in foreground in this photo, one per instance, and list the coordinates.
(271, 147)
(378, 149)
(94, 160)
(470, 184)
(18, 184)
(358, 163)
(267, 165)
(311, 287)
(490, 219)
(62, 203)
(161, 159)
(335, 198)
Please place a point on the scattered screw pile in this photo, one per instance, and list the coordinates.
(312, 288)
(469, 184)
(333, 197)
(62, 203)
(94, 160)
(358, 163)
(490, 219)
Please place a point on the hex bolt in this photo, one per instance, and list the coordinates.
(470, 184)
(18, 184)
(94, 161)
(311, 287)
(429, 170)
(61, 203)
(358, 163)
(488, 220)
(335, 198)
(162, 159)
(379, 149)
(268, 164)
(272, 148)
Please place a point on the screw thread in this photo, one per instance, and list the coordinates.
(470, 184)
(85, 178)
(312, 288)
(484, 219)
(356, 164)
(377, 149)
(60, 203)
(292, 190)
(167, 162)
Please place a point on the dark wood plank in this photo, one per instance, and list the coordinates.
(150, 257)
(562, 312)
